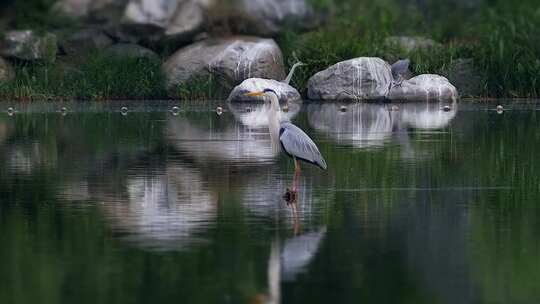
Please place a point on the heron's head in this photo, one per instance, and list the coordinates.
(265, 93)
(268, 95)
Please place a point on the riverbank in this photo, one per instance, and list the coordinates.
(487, 52)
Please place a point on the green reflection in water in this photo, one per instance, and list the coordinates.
(102, 208)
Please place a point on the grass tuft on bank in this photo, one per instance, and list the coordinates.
(95, 77)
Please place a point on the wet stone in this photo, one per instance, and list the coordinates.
(230, 60)
(364, 78)
(425, 87)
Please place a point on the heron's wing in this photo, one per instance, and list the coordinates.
(298, 144)
(298, 252)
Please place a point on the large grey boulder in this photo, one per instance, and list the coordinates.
(231, 60)
(173, 18)
(6, 71)
(28, 45)
(262, 17)
(425, 87)
(187, 21)
(84, 41)
(465, 77)
(155, 12)
(411, 43)
(364, 78)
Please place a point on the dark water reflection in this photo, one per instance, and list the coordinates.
(422, 203)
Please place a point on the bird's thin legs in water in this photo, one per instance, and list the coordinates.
(297, 172)
(291, 197)
(296, 166)
(295, 218)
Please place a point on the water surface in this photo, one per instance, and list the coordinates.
(421, 203)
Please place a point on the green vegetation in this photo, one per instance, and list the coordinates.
(95, 76)
(500, 36)
(200, 88)
(385, 230)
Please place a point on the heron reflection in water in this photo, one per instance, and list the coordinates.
(290, 139)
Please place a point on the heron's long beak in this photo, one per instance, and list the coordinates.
(253, 94)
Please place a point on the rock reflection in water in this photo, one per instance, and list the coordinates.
(243, 142)
(233, 144)
(163, 211)
(25, 157)
(255, 114)
(373, 125)
(362, 125)
(428, 116)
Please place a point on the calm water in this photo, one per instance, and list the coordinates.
(419, 205)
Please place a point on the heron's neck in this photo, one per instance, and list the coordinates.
(274, 122)
(291, 73)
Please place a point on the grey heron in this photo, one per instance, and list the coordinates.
(289, 138)
(400, 71)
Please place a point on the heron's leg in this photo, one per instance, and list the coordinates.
(296, 174)
(296, 221)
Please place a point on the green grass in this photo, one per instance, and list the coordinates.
(500, 36)
(201, 88)
(94, 77)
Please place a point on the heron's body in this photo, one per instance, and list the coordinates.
(289, 138)
(299, 145)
